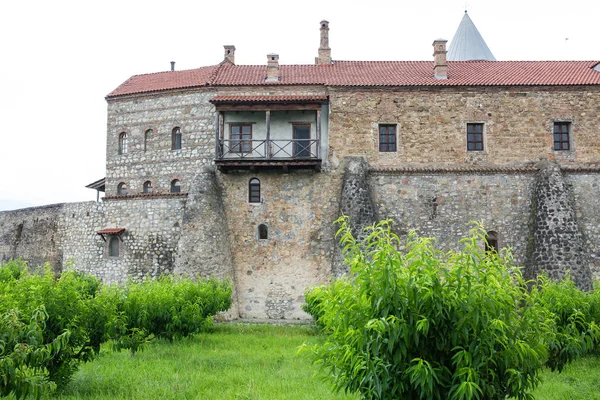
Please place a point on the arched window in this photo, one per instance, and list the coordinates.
(147, 187)
(113, 246)
(263, 231)
(147, 138)
(123, 143)
(122, 189)
(175, 186)
(491, 241)
(176, 138)
(254, 191)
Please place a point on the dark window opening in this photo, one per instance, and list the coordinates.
(254, 191)
(123, 143)
(241, 138)
(176, 139)
(491, 241)
(122, 189)
(387, 138)
(301, 136)
(475, 137)
(175, 186)
(113, 246)
(263, 231)
(147, 138)
(147, 187)
(561, 135)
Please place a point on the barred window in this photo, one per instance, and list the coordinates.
(254, 191)
(147, 187)
(175, 186)
(176, 138)
(113, 246)
(122, 189)
(475, 137)
(491, 241)
(147, 138)
(263, 232)
(562, 132)
(123, 143)
(387, 138)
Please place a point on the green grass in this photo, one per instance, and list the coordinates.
(250, 362)
(236, 361)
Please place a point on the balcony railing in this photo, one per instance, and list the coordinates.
(274, 149)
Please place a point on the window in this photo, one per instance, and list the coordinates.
(113, 246)
(147, 138)
(561, 135)
(387, 138)
(176, 139)
(122, 189)
(254, 191)
(263, 232)
(123, 143)
(175, 186)
(241, 138)
(491, 241)
(147, 187)
(475, 137)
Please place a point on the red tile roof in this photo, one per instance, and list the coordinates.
(373, 73)
(110, 231)
(269, 99)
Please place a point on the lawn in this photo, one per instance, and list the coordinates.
(241, 361)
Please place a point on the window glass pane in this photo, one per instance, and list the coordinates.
(235, 129)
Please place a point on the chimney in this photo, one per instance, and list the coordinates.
(230, 53)
(440, 68)
(172, 65)
(272, 67)
(324, 49)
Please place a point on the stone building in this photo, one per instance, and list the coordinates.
(239, 171)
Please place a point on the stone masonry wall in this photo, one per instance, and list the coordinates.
(431, 124)
(299, 209)
(585, 189)
(32, 234)
(558, 245)
(442, 205)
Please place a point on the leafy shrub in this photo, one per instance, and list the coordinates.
(169, 308)
(425, 324)
(22, 353)
(314, 303)
(70, 304)
(575, 315)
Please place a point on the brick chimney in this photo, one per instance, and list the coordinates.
(229, 53)
(272, 67)
(324, 49)
(440, 68)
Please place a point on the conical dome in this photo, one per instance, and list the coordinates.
(468, 44)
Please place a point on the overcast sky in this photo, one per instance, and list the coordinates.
(60, 58)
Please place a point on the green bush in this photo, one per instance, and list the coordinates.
(169, 308)
(575, 315)
(420, 323)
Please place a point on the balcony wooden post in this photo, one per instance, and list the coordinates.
(268, 142)
(318, 132)
(218, 135)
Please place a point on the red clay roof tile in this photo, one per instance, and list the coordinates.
(373, 73)
(110, 231)
(270, 99)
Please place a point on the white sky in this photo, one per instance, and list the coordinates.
(58, 59)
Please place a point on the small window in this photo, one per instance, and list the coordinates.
(147, 187)
(147, 138)
(263, 232)
(113, 246)
(123, 143)
(562, 132)
(176, 139)
(175, 186)
(475, 137)
(241, 138)
(122, 189)
(491, 241)
(254, 191)
(387, 138)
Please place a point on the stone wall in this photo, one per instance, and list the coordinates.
(431, 124)
(443, 204)
(32, 234)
